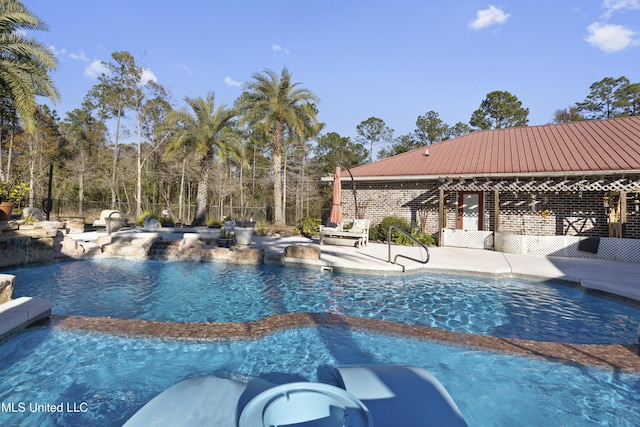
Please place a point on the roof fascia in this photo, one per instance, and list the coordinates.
(491, 176)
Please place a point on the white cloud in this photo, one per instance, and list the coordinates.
(276, 48)
(57, 52)
(229, 81)
(147, 76)
(488, 17)
(610, 38)
(79, 57)
(621, 4)
(95, 69)
(613, 6)
(185, 68)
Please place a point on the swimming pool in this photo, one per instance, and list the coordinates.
(107, 379)
(216, 292)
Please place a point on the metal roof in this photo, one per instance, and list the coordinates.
(587, 147)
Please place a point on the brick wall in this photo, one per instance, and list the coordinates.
(581, 214)
(572, 214)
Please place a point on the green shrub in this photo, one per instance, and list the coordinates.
(425, 239)
(308, 225)
(166, 221)
(144, 214)
(380, 232)
(260, 229)
(214, 223)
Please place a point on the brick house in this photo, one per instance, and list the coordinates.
(578, 180)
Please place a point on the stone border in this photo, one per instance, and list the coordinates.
(624, 357)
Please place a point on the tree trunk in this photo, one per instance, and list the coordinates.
(277, 134)
(81, 194)
(200, 216)
(181, 196)
(284, 189)
(115, 164)
(33, 149)
(2, 178)
(242, 191)
(7, 174)
(139, 164)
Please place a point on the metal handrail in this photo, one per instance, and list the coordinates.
(405, 256)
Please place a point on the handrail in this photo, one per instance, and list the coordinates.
(405, 256)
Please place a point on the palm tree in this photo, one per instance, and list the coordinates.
(284, 108)
(202, 133)
(24, 63)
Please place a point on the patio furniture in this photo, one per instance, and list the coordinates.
(359, 232)
(112, 220)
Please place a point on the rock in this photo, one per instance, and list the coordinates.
(104, 240)
(311, 252)
(130, 246)
(69, 247)
(34, 213)
(6, 287)
(246, 256)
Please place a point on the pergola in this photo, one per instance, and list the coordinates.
(614, 189)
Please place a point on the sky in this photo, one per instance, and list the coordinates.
(392, 60)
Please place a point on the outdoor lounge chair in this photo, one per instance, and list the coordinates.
(104, 215)
(399, 395)
(359, 232)
(111, 220)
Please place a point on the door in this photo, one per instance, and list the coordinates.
(470, 211)
(617, 201)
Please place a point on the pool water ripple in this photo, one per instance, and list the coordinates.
(116, 376)
(212, 292)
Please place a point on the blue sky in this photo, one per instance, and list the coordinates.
(392, 60)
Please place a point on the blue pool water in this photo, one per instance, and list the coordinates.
(110, 378)
(187, 291)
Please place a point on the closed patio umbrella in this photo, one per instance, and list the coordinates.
(335, 216)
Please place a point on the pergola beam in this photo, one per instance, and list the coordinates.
(546, 185)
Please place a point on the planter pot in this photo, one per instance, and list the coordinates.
(224, 243)
(228, 225)
(243, 235)
(6, 209)
(114, 224)
(251, 224)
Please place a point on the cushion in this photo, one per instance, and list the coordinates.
(359, 225)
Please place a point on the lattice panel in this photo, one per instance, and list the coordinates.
(467, 239)
(567, 246)
(619, 249)
(549, 185)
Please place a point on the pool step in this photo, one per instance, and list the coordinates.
(19, 313)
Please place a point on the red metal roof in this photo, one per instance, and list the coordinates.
(589, 147)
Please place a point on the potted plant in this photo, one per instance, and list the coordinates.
(214, 223)
(225, 238)
(244, 222)
(243, 231)
(10, 194)
(228, 222)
